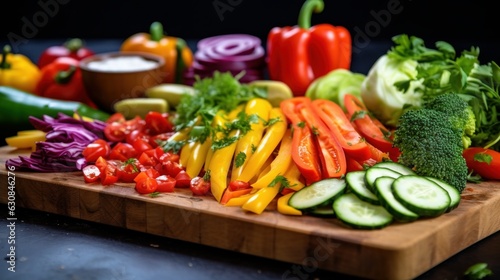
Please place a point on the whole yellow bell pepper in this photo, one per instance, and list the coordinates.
(18, 71)
(167, 47)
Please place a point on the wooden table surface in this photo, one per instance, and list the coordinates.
(399, 251)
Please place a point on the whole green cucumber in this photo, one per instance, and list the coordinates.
(17, 106)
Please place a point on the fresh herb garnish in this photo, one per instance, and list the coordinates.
(240, 159)
(282, 180)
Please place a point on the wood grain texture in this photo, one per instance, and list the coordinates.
(399, 251)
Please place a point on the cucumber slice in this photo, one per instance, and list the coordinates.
(323, 211)
(452, 191)
(421, 195)
(360, 214)
(317, 194)
(376, 172)
(395, 166)
(356, 183)
(398, 210)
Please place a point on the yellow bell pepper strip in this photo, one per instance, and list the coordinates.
(165, 46)
(221, 159)
(260, 108)
(286, 209)
(272, 137)
(280, 163)
(261, 199)
(18, 71)
(298, 55)
(197, 159)
(25, 139)
(295, 179)
(185, 154)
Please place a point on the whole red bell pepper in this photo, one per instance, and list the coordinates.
(298, 55)
(73, 48)
(62, 79)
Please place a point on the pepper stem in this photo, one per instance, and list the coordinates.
(306, 11)
(4, 64)
(74, 44)
(180, 44)
(156, 31)
(63, 77)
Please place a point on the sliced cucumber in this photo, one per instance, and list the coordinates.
(395, 166)
(376, 172)
(387, 199)
(360, 214)
(356, 183)
(323, 211)
(421, 195)
(317, 194)
(452, 191)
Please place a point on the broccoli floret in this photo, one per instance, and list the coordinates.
(459, 111)
(431, 145)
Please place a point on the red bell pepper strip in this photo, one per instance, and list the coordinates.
(332, 157)
(300, 54)
(304, 151)
(335, 119)
(484, 162)
(73, 48)
(62, 80)
(369, 127)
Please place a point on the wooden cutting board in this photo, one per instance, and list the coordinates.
(399, 251)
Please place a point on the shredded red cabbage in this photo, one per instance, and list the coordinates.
(62, 150)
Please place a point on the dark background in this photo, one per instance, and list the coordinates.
(462, 23)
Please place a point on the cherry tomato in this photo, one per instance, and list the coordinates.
(141, 145)
(133, 135)
(91, 173)
(238, 185)
(116, 117)
(108, 175)
(127, 171)
(165, 183)
(96, 149)
(146, 185)
(115, 132)
(183, 179)
(157, 123)
(484, 162)
(170, 168)
(199, 186)
(122, 151)
(157, 139)
(147, 160)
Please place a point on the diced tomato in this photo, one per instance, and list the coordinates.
(116, 117)
(147, 160)
(141, 145)
(165, 183)
(157, 123)
(156, 139)
(166, 157)
(96, 149)
(199, 186)
(91, 173)
(127, 171)
(122, 151)
(146, 185)
(115, 132)
(108, 175)
(183, 179)
(134, 134)
(170, 168)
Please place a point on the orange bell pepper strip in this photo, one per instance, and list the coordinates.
(300, 54)
(177, 55)
(369, 127)
(335, 119)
